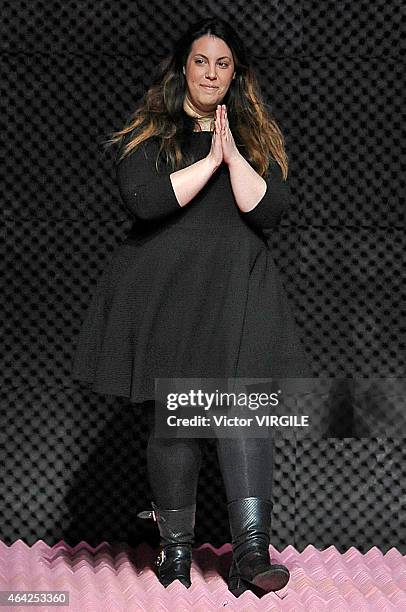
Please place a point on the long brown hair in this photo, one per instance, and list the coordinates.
(160, 113)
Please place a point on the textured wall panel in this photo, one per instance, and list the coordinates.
(73, 461)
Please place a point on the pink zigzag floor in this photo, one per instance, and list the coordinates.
(118, 578)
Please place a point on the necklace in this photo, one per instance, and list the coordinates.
(206, 124)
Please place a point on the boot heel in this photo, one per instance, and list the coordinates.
(237, 586)
(273, 579)
(236, 583)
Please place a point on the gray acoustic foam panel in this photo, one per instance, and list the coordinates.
(73, 461)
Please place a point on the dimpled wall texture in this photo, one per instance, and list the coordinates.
(74, 461)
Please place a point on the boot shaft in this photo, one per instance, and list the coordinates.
(175, 526)
(250, 519)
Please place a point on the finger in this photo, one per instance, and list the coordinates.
(216, 124)
(219, 116)
(224, 126)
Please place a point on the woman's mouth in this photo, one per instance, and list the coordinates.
(209, 87)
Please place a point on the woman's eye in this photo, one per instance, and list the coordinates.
(224, 64)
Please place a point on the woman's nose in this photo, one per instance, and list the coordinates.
(211, 72)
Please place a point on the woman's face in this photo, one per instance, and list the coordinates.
(209, 71)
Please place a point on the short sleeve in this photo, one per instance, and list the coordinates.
(275, 201)
(146, 193)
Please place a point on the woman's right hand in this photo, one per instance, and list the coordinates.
(215, 154)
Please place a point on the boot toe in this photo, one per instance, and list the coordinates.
(167, 580)
(185, 581)
(174, 563)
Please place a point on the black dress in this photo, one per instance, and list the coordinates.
(192, 291)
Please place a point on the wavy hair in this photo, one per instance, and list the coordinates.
(161, 114)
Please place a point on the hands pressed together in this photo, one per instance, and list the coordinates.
(247, 185)
(223, 147)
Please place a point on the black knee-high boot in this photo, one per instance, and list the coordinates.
(176, 529)
(250, 523)
(247, 465)
(173, 468)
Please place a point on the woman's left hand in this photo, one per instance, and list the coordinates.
(230, 151)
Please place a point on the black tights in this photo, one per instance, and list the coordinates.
(246, 465)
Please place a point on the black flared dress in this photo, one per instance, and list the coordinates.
(192, 291)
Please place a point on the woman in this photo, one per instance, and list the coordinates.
(193, 291)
